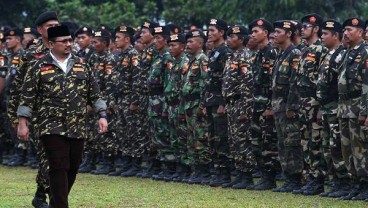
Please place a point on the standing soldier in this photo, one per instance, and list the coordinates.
(285, 107)
(177, 124)
(307, 76)
(352, 108)
(215, 103)
(237, 88)
(84, 36)
(191, 101)
(263, 131)
(29, 34)
(5, 143)
(327, 96)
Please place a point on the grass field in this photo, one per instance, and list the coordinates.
(17, 186)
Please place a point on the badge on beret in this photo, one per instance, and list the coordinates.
(260, 22)
(27, 30)
(146, 24)
(98, 34)
(85, 29)
(123, 29)
(330, 24)
(287, 25)
(12, 32)
(195, 33)
(312, 19)
(213, 21)
(355, 22)
(236, 30)
(103, 27)
(174, 37)
(158, 30)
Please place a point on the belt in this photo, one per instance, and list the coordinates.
(350, 95)
(232, 99)
(192, 97)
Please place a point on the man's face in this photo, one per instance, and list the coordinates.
(193, 45)
(214, 34)
(258, 34)
(280, 36)
(84, 40)
(352, 34)
(43, 28)
(160, 42)
(328, 39)
(307, 30)
(12, 41)
(146, 36)
(99, 45)
(138, 45)
(62, 46)
(234, 42)
(121, 40)
(26, 39)
(176, 48)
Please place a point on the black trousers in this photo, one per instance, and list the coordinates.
(64, 155)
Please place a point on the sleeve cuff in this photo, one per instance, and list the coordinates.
(100, 105)
(24, 111)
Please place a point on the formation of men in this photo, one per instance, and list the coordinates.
(212, 107)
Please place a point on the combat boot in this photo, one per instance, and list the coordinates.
(178, 170)
(342, 188)
(167, 171)
(124, 165)
(135, 167)
(106, 167)
(333, 184)
(315, 187)
(90, 164)
(39, 200)
(267, 182)
(292, 182)
(184, 173)
(238, 178)
(222, 176)
(363, 191)
(355, 191)
(246, 180)
(203, 173)
(20, 158)
(153, 169)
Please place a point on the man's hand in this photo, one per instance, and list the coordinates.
(23, 131)
(133, 107)
(268, 113)
(243, 117)
(362, 119)
(290, 114)
(102, 124)
(221, 110)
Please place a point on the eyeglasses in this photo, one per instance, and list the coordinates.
(65, 41)
(306, 26)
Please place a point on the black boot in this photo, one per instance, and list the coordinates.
(202, 173)
(222, 176)
(134, 168)
(124, 165)
(20, 158)
(363, 191)
(39, 200)
(238, 178)
(167, 171)
(342, 188)
(153, 169)
(292, 182)
(107, 167)
(267, 182)
(90, 164)
(315, 187)
(246, 180)
(355, 191)
(183, 173)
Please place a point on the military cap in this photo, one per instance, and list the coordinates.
(44, 17)
(332, 25)
(125, 29)
(354, 22)
(237, 29)
(190, 27)
(314, 19)
(284, 24)
(298, 25)
(149, 25)
(58, 31)
(174, 28)
(161, 30)
(29, 30)
(261, 23)
(84, 30)
(178, 37)
(102, 34)
(14, 32)
(218, 23)
(195, 33)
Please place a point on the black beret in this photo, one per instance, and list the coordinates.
(125, 29)
(314, 19)
(237, 29)
(297, 25)
(261, 23)
(44, 17)
(218, 23)
(14, 32)
(178, 37)
(102, 34)
(149, 25)
(58, 31)
(190, 27)
(284, 24)
(29, 30)
(332, 25)
(161, 30)
(174, 28)
(354, 22)
(195, 33)
(84, 30)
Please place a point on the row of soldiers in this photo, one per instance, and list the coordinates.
(197, 107)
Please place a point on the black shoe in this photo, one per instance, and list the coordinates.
(355, 191)
(134, 169)
(264, 184)
(245, 181)
(333, 187)
(238, 178)
(39, 200)
(115, 173)
(363, 192)
(292, 183)
(315, 188)
(342, 188)
(201, 174)
(223, 176)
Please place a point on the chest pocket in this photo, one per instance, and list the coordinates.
(81, 82)
(51, 84)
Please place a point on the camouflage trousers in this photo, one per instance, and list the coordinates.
(218, 138)
(354, 146)
(289, 146)
(312, 140)
(108, 141)
(177, 143)
(6, 139)
(332, 145)
(91, 146)
(264, 142)
(239, 138)
(140, 140)
(124, 125)
(159, 127)
(198, 143)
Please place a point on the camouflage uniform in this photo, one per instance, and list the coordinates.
(327, 96)
(4, 141)
(307, 75)
(352, 88)
(237, 88)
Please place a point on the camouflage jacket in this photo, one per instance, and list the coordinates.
(3, 66)
(30, 57)
(120, 82)
(140, 75)
(284, 92)
(237, 82)
(216, 64)
(13, 66)
(262, 75)
(307, 72)
(353, 83)
(86, 55)
(327, 93)
(194, 82)
(61, 97)
(158, 74)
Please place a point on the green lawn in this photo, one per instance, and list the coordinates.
(17, 186)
